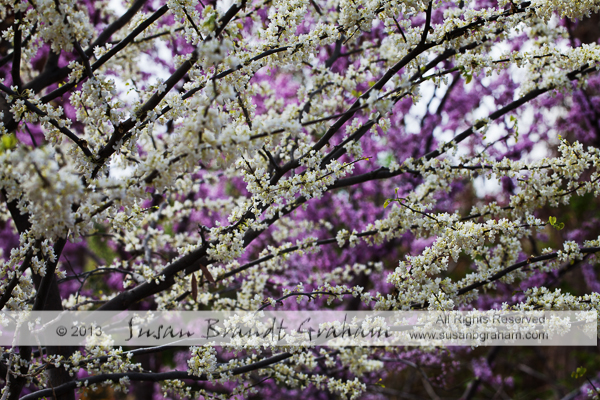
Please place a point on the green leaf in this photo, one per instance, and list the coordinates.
(468, 77)
(552, 221)
(515, 127)
(8, 142)
(387, 202)
(210, 23)
(579, 372)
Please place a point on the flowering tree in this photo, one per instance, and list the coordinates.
(294, 154)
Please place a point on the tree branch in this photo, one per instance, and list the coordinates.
(150, 377)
